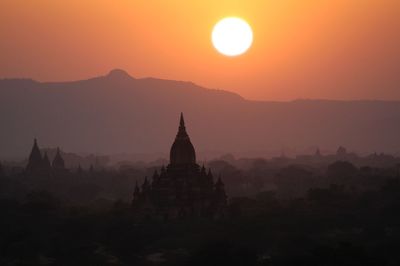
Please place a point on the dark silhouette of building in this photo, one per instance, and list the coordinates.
(341, 152)
(38, 165)
(46, 162)
(183, 188)
(35, 163)
(58, 162)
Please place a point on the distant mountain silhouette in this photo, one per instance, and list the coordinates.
(117, 113)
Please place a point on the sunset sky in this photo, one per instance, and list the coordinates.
(336, 49)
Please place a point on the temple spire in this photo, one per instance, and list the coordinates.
(182, 121)
(182, 150)
(46, 162)
(35, 153)
(182, 129)
(220, 192)
(35, 158)
(58, 162)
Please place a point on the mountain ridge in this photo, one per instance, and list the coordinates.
(4, 82)
(117, 113)
(118, 73)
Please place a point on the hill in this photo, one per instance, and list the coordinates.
(117, 113)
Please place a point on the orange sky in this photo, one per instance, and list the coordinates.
(336, 49)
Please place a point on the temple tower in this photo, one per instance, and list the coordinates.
(182, 150)
(182, 189)
(35, 163)
(58, 162)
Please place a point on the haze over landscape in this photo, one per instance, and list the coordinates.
(117, 113)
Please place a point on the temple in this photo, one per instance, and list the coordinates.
(38, 165)
(183, 188)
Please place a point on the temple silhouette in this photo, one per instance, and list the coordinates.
(40, 165)
(183, 188)
(180, 190)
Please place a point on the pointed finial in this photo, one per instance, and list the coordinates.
(35, 144)
(182, 121)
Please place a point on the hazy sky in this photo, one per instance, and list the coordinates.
(336, 49)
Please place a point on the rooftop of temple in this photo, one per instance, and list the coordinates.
(182, 150)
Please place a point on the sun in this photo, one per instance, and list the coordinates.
(232, 36)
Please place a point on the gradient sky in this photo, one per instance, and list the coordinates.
(336, 49)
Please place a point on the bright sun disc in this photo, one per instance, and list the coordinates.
(232, 36)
